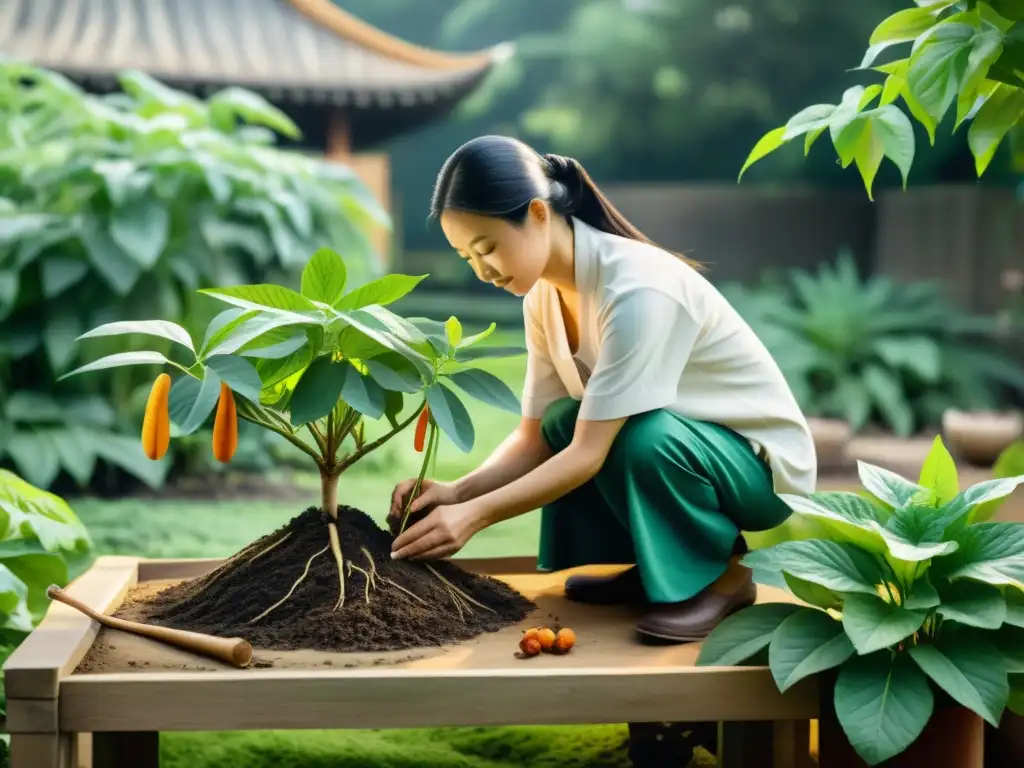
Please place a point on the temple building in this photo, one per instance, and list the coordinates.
(348, 85)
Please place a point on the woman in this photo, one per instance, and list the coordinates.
(655, 425)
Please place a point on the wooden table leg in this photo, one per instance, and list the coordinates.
(139, 749)
(41, 750)
(792, 748)
(745, 745)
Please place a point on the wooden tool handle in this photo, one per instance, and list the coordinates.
(232, 650)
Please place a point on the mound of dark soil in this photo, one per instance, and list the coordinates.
(389, 605)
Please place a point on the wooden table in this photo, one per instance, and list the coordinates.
(59, 718)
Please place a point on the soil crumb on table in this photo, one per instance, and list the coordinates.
(388, 605)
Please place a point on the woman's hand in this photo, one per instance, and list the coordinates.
(443, 532)
(432, 494)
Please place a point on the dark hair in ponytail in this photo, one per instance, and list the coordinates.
(500, 176)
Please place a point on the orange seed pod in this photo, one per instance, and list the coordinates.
(529, 646)
(156, 424)
(225, 426)
(421, 430)
(564, 640)
(546, 637)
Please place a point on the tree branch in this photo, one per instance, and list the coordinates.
(357, 455)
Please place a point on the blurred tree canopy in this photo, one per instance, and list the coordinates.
(645, 90)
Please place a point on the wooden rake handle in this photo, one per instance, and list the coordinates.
(231, 650)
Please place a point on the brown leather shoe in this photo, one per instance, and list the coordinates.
(692, 620)
(625, 588)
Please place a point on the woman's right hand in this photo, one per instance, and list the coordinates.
(432, 494)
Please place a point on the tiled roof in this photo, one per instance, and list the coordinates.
(294, 50)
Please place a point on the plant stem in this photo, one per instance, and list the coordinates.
(261, 417)
(371, 447)
(419, 480)
(329, 494)
(318, 438)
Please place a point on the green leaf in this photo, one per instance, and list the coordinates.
(163, 329)
(896, 136)
(382, 291)
(324, 276)
(451, 416)
(380, 331)
(264, 296)
(1003, 109)
(487, 388)
(989, 552)
(923, 595)
(453, 331)
(1014, 597)
(59, 335)
(883, 702)
(119, 360)
(58, 273)
(35, 567)
(362, 393)
(476, 338)
(939, 473)
(253, 331)
(887, 393)
(904, 26)
(979, 497)
(938, 66)
(393, 404)
(837, 566)
(968, 669)
(239, 374)
(34, 457)
(281, 349)
(191, 401)
(846, 515)
(812, 593)
(126, 452)
(394, 373)
(464, 355)
(318, 391)
(118, 270)
(887, 486)
(806, 643)
(141, 229)
(972, 603)
(915, 533)
(1008, 9)
(813, 118)
(874, 624)
(233, 102)
(743, 634)
(768, 143)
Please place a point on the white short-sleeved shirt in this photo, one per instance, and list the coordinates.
(655, 333)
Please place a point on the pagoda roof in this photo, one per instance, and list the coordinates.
(299, 52)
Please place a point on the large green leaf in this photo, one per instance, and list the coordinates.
(806, 643)
(1009, 464)
(163, 329)
(141, 229)
(767, 144)
(848, 516)
(1009, 641)
(59, 336)
(251, 332)
(239, 374)
(1014, 597)
(362, 393)
(989, 552)
(118, 270)
(229, 103)
(324, 276)
(887, 486)
(191, 401)
(981, 495)
(938, 66)
(394, 373)
(939, 473)
(883, 702)
(380, 331)
(969, 669)
(487, 388)
(451, 416)
(973, 603)
(922, 595)
(904, 26)
(265, 296)
(915, 533)
(118, 360)
(382, 291)
(36, 568)
(34, 456)
(318, 391)
(14, 601)
(873, 624)
(813, 594)
(835, 565)
(1000, 112)
(744, 634)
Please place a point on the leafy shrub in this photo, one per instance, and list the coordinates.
(119, 207)
(908, 589)
(877, 350)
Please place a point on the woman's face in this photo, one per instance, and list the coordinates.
(507, 255)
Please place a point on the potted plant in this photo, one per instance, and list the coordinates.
(912, 616)
(980, 437)
(314, 366)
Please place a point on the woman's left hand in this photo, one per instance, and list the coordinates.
(443, 532)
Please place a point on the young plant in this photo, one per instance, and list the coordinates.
(908, 589)
(312, 366)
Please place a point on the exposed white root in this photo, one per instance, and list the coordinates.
(398, 586)
(458, 591)
(332, 532)
(273, 546)
(369, 580)
(372, 566)
(207, 581)
(301, 578)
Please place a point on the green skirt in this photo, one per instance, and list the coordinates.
(672, 497)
